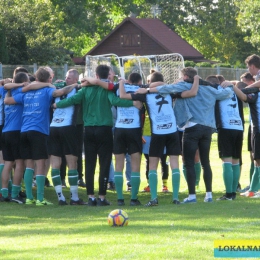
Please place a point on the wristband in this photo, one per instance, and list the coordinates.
(148, 90)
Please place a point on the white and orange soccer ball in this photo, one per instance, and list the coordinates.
(117, 218)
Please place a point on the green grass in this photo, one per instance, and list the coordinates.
(164, 232)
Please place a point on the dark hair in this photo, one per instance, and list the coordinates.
(102, 71)
(31, 77)
(156, 76)
(134, 78)
(19, 69)
(21, 77)
(220, 78)
(247, 76)
(42, 75)
(213, 79)
(241, 85)
(253, 60)
(189, 72)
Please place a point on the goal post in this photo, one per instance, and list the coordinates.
(169, 65)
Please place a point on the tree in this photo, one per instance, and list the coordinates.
(50, 31)
(248, 20)
(210, 26)
(3, 48)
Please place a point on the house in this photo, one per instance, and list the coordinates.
(139, 36)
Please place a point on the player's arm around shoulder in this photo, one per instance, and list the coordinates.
(64, 91)
(122, 92)
(8, 100)
(256, 84)
(9, 86)
(223, 93)
(36, 85)
(88, 81)
(238, 92)
(194, 89)
(73, 100)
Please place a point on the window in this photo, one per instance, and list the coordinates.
(130, 40)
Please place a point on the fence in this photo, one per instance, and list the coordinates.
(228, 73)
(6, 71)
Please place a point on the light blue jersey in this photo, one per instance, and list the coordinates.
(161, 114)
(128, 117)
(64, 116)
(229, 116)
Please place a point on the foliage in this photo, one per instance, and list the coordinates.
(189, 63)
(3, 48)
(222, 65)
(209, 26)
(248, 20)
(60, 28)
(203, 64)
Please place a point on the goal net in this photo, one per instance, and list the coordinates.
(169, 65)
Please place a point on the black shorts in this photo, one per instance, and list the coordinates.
(180, 137)
(230, 143)
(63, 141)
(128, 140)
(255, 145)
(34, 145)
(1, 128)
(249, 146)
(170, 141)
(11, 146)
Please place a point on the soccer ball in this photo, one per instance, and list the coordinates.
(117, 218)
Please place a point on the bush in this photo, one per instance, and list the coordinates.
(222, 65)
(204, 64)
(189, 63)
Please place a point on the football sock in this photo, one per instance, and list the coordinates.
(165, 183)
(228, 176)
(192, 197)
(175, 183)
(10, 184)
(55, 176)
(28, 180)
(73, 181)
(236, 175)
(135, 182)
(184, 172)
(208, 195)
(74, 193)
(197, 167)
(15, 190)
(153, 183)
(1, 169)
(252, 168)
(40, 181)
(4, 192)
(56, 180)
(255, 180)
(118, 176)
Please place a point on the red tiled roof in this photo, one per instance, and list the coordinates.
(165, 37)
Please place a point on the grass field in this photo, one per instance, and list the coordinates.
(164, 232)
